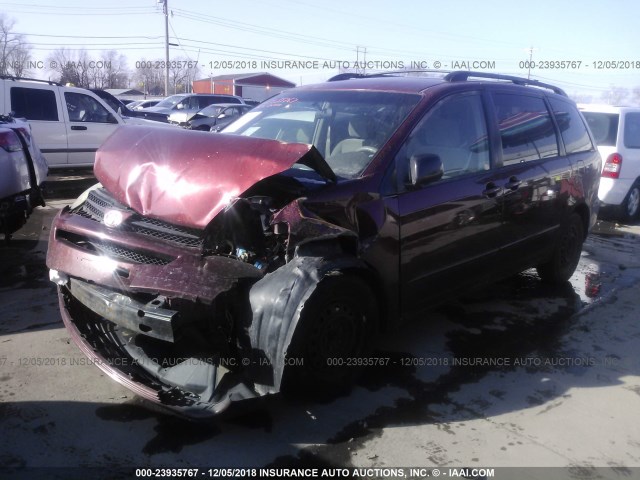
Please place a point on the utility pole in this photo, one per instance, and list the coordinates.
(361, 66)
(165, 9)
(530, 62)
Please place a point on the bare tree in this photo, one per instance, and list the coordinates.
(149, 75)
(110, 71)
(149, 78)
(63, 63)
(179, 75)
(14, 49)
(615, 95)
(581, 98)
(78, 68)
(635, 96)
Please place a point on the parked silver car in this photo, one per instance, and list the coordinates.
(22, 171)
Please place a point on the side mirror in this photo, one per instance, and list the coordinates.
(180, 106)
(222, 115)
(425, 168)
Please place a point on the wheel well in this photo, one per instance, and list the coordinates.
(583, 211)
(346, 248)
(371, 279)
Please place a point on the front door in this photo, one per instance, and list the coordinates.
(450, 229)
(89, 124)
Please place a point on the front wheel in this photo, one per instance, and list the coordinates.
(565, 257)
(333, 335)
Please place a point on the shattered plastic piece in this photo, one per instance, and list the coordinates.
(592, 284)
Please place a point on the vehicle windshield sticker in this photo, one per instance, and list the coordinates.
(279, 102)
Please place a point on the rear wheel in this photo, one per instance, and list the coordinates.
(631, 205)
(566, 255)
(335, 329)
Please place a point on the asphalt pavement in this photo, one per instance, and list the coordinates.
(518, 375)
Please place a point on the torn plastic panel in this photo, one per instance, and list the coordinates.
(188, 386)
(276, 303)
(304, 226)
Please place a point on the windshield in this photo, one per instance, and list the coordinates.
(211, 111)
(347, 127)
(170, 101)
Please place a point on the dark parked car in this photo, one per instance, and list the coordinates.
(206, 269)
(183, 106)
(215, 117)
(117, 104)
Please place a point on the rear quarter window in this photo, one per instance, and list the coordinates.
(34, 103)
(572, 128)
(228, 100)
(526, 128)
(632, 130)
(604, 127)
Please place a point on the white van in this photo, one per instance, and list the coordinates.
(68, 123)
(616, 131)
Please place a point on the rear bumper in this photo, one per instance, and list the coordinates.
(613, 191)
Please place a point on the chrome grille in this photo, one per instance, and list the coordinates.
(113, 250)
(127, 254)
(99, 201)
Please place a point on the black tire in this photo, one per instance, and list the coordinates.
(336, 326)
(566, 255)
(630, 208)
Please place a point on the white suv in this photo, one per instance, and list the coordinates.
(616, 131)
(68, 123)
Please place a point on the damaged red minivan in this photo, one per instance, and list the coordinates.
(209, 268)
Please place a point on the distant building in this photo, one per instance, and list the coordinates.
(254, 86)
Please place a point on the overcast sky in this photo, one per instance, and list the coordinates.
(602, 39)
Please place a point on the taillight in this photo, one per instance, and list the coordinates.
(9, 141)
(25, 133)
(612, 166)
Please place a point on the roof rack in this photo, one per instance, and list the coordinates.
(463, 76)
(455, 76)
(349, 75)
(11, 77)
(346, 76)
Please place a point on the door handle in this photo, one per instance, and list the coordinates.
(513, 184)
(491, 190)
(78, 127)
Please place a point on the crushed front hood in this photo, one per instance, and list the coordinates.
(187, 177)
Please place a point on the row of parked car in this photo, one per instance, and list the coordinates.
(208, 112)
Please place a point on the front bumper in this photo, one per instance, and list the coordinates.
(136, 305)
(112, 349)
